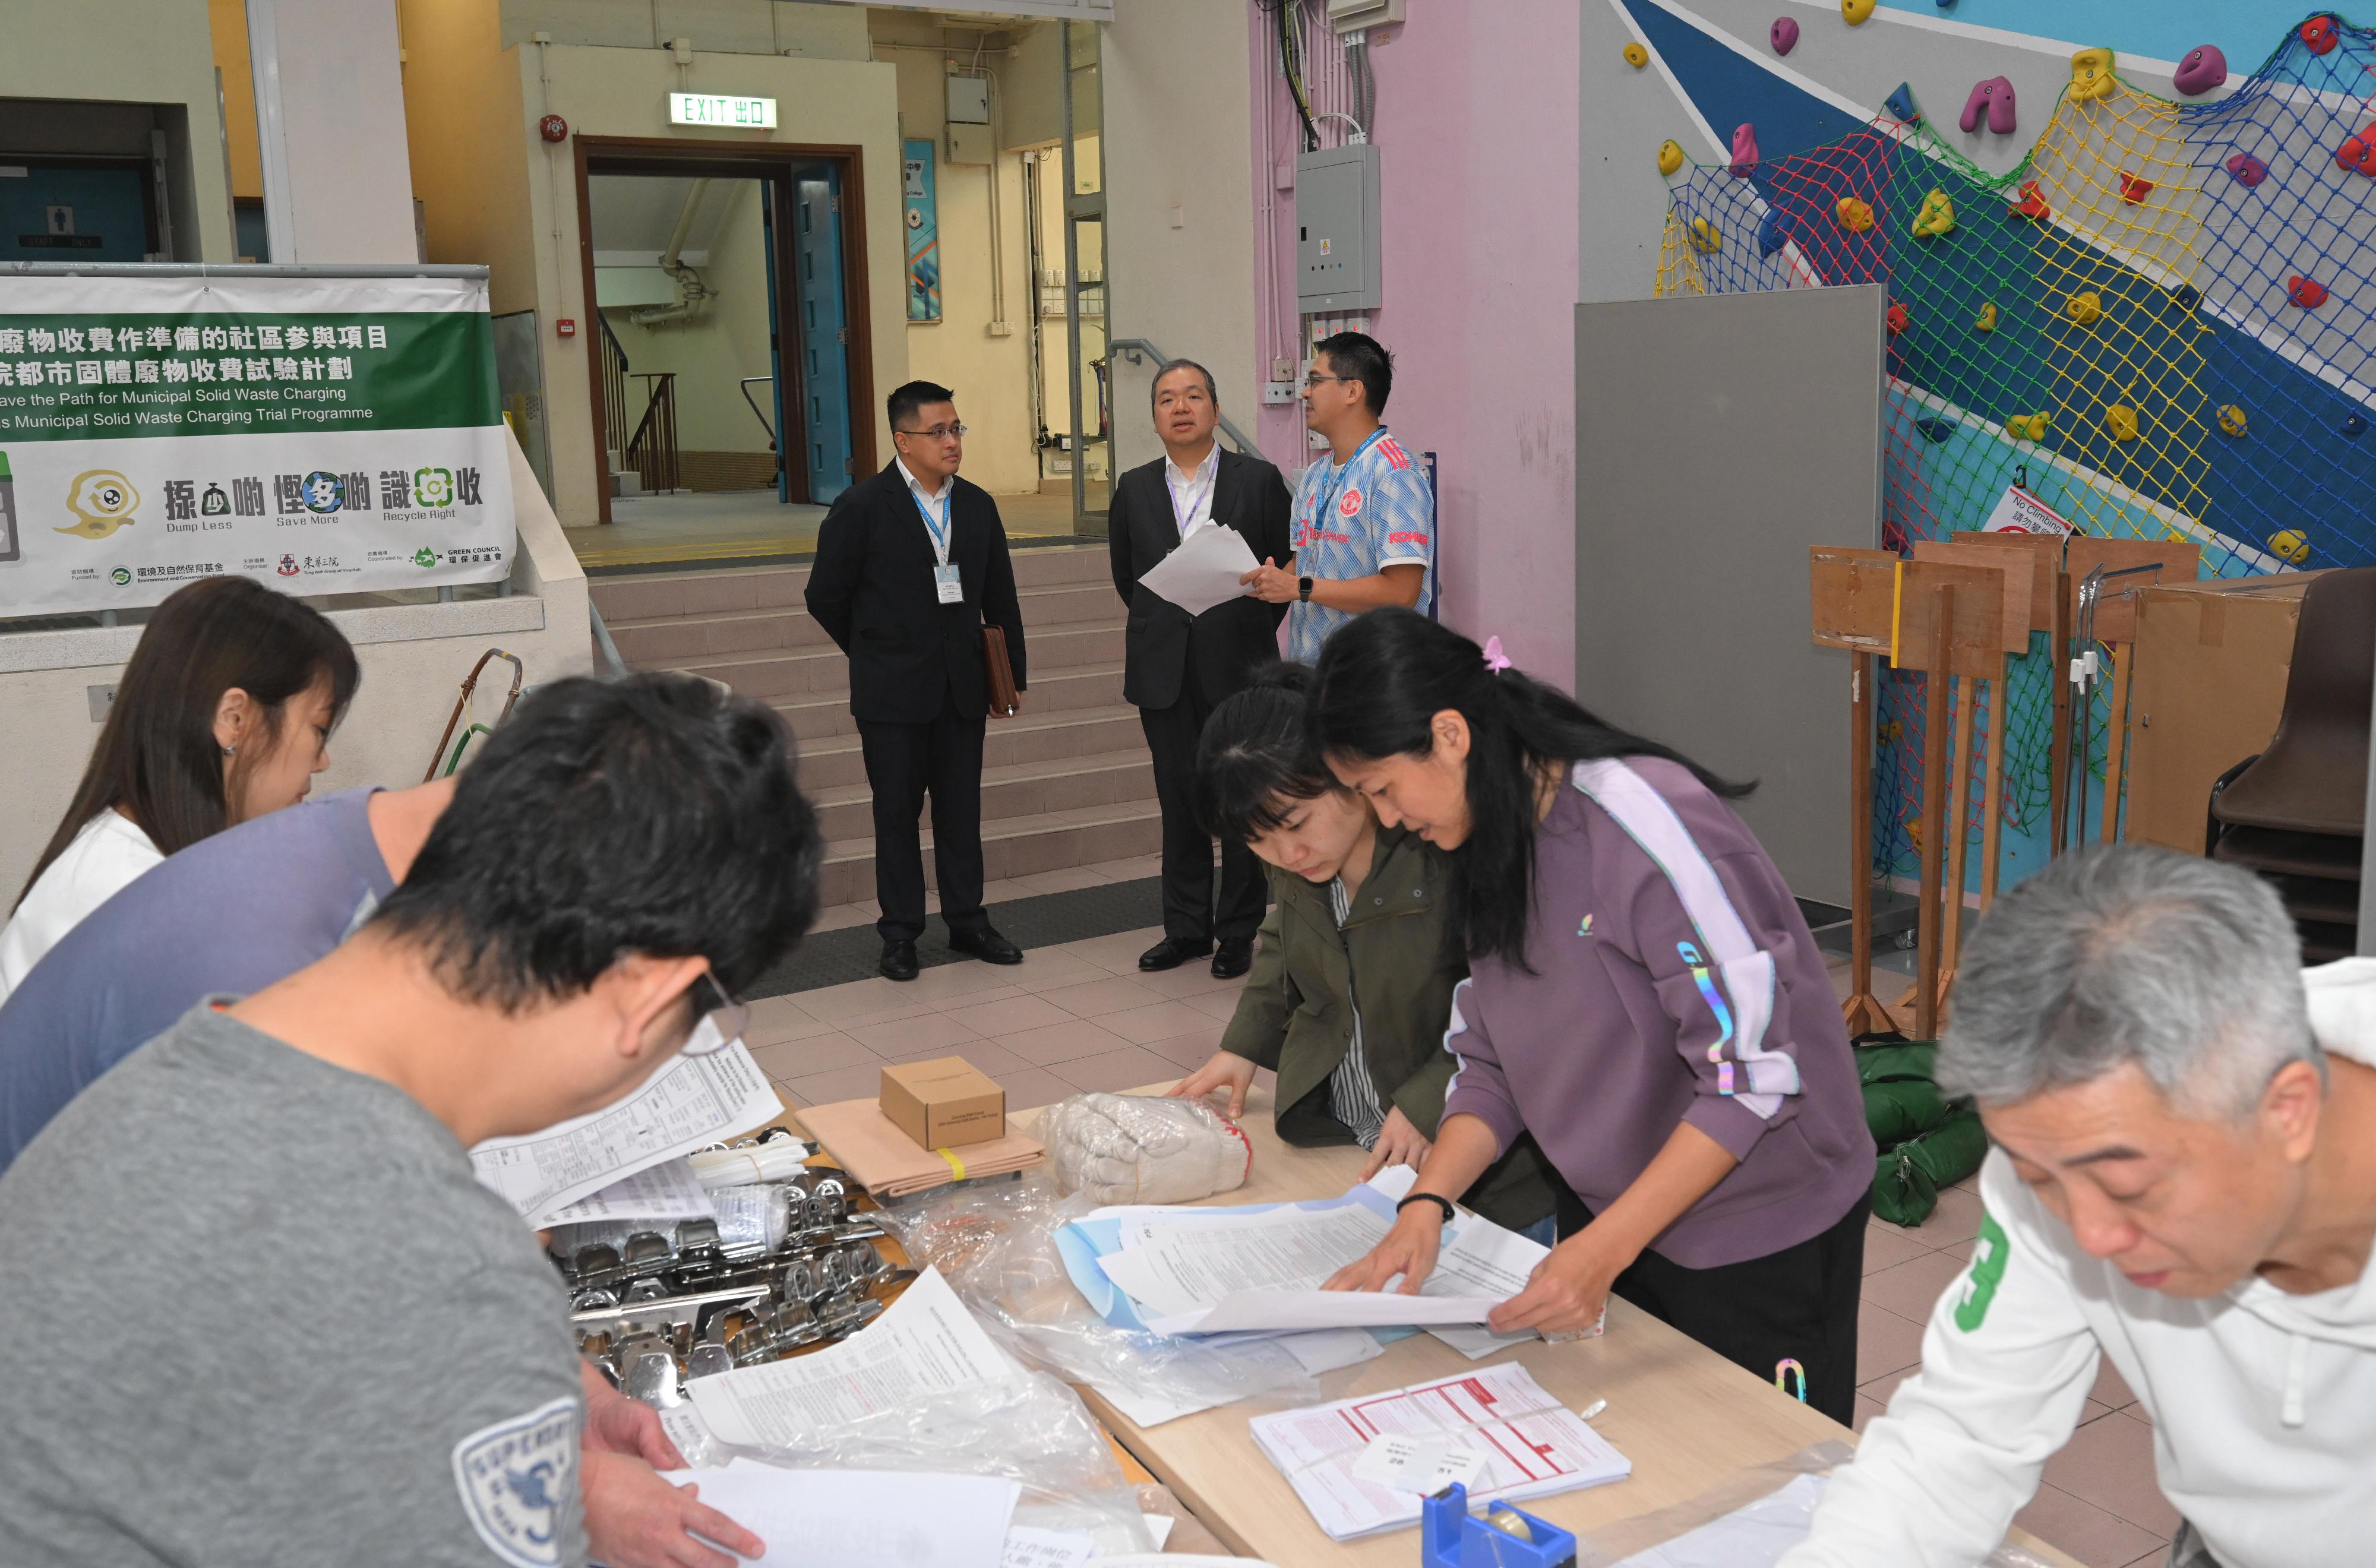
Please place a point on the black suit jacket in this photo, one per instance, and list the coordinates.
(1227, 640)
(871, 588)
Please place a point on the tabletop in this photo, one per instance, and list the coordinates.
(1684, 1416)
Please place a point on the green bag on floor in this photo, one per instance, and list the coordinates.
(1901, 1098)
(1906, 1179)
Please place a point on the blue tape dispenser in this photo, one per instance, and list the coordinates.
(1450, 1537)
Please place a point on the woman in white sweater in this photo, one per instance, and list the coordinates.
(224, 713)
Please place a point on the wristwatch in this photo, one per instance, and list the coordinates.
(1303, 588)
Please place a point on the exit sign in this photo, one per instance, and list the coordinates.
(722, 109)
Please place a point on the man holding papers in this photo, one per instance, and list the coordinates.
(1179, 664)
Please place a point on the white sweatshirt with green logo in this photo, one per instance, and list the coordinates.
(2264, 1404)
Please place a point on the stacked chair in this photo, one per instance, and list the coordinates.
(2296, 814)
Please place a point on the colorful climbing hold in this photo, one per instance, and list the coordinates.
(1854, 12)
(1935, 430)
(1994, 98)
(2355, 426)
(2134, 188)
(2028, 427)
(1706, 238)
(2248, 171)
(2290, 546)
(2120, 422)
(2357, 152)
(2231, 419)
(2091, 76)
(1855, 216)
(2084, 307)
(1937, 217)
(1744, 149)
(1899, 319)
(1636, 57)
(2321, 34)
(1901, 103)
(2032, 204)
(2307, 292)
(1670, 156)
(2203, 68)
(1774, 232)
(1784, 34)
(1986, 320)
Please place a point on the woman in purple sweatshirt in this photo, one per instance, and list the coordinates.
(1644, 997)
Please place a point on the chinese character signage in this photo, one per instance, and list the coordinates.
(326, 436)
(923, 231)
(722, 109)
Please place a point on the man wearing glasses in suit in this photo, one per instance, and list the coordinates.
(1177, 670)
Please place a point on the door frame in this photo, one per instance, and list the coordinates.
(775, 163)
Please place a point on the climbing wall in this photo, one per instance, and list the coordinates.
(2157, 323)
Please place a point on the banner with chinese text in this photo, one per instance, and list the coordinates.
(320, 434)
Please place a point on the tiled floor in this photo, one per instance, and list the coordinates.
(1081, 1017)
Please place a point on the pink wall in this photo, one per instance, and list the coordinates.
(1478, 126)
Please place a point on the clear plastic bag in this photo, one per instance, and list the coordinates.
(996, 1246)
(1125, 1149)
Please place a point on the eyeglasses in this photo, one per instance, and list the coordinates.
(1315, 378)
(727, 1018)
(938, 433)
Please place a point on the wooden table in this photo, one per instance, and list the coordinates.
(1684, 1416)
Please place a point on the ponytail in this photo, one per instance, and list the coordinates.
(1380, 682)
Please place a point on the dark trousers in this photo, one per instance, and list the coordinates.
(904, 761)
(1188, 909)
(1797, 1305)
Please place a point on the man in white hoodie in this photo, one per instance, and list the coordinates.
(2184, 1179)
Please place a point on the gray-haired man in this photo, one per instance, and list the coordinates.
(2184, 1179)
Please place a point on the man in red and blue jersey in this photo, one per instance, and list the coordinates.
(1364, 516)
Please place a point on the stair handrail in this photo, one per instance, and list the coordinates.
(1138, 348)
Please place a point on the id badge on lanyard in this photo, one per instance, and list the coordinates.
(950, 586)
(947, 582)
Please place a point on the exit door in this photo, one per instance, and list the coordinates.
(75, 212)
(825, 350)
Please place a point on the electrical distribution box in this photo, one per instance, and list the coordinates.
(969, 101)
(1336, 269)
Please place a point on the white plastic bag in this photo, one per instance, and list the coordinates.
(1119, 1148)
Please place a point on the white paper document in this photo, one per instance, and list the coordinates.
(687, 1102)
(1319, 1351)
(1181, 1266)
(1751, 1537)
(666, 1191)
(1027, 1546)
(862, 1518)
(1533, 1446)
(926, 1345)
(1400, 1462)
(1287, 1311)
(1204, 569)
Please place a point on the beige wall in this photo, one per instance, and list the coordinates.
(828, 31)
(343, 117)
(464, 119)
(1177, 118)
(624, 92)
(711, 351)
(132, 52)
(227, 23)
(991, 375)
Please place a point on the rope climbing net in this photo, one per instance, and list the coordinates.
(2158, 325)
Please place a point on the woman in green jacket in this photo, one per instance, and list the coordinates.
(1352, 980)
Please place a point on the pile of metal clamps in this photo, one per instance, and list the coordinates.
(655, 1307)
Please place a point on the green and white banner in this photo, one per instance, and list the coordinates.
(320, 434)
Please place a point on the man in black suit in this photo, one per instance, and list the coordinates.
(909, 564)
(1177, 670)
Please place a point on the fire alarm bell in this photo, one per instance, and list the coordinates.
(566, 327)
(552, 127)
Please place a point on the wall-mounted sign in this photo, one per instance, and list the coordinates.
(722, 109)
(923, 231)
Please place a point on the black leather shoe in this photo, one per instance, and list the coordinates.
(1233, 959)
(1170, 952)
(985, 944)
(898, 961)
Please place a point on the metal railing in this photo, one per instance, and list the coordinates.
(652, 452)
(1139, 350)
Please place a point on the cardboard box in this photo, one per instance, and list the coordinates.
(943, 1103)
(2208, 686)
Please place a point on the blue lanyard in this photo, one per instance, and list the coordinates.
(938, 529)
(1328, 502)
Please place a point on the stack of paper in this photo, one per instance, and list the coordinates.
(862, 1518)
(889, 1164)
(1531, 1446)
(1205, 569)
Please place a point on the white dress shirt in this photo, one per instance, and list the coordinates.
(1192, 493)
(937, 503)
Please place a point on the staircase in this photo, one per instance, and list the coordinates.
(1067, 782)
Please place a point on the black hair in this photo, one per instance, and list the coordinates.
(1357, 356)
(1382, 680)
(156, 755)
(1212, 391)
(909, 397)
(1255, 760)
(654, 815)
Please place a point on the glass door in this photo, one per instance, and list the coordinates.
(1085, 280)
